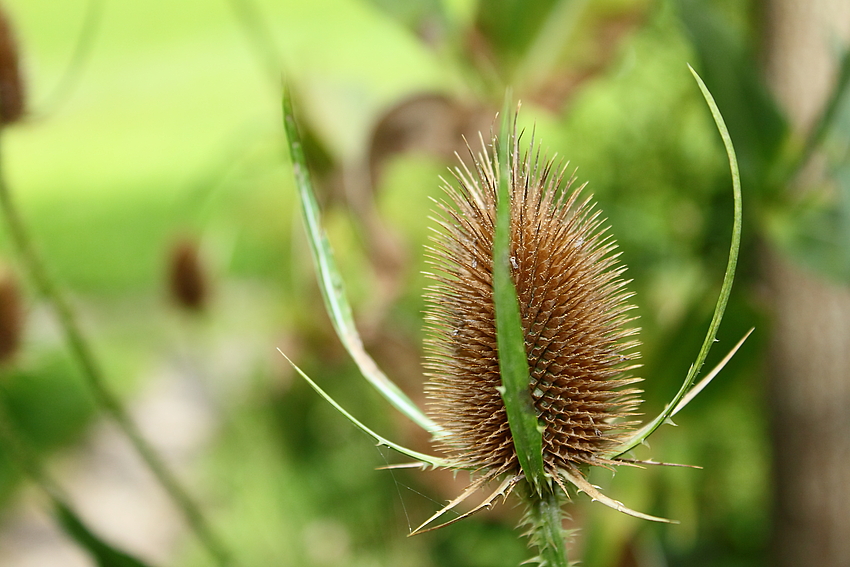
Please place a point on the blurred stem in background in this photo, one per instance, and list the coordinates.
(30, 463)
(103, 396)
(12, 108)
(23, 457)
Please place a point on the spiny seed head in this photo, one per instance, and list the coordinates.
(573, 307)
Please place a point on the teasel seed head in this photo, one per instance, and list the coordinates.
(574, 310)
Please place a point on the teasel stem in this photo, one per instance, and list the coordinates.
(93, 375)
(544, 515)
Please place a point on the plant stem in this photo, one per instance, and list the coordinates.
(547, 533)
(94, 377)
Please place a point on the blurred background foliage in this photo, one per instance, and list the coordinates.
(168, 141)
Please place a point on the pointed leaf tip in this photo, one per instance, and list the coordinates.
(433, 461)
(726, 289)
(513, 362)
(582, 485)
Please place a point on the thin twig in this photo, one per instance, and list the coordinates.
(94, 377)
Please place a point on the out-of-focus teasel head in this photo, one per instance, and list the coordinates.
(12, 95)
(187, 279)
(574, 312)
(11, 316)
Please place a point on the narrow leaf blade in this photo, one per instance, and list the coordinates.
(513, 362)
(503, 490)
(726, 289)
(583, 485)
(700, 386)
(433, 461)
(331, 284)
(828, 116)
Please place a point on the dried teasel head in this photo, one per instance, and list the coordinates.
(187, 279)
(11, 317)
(574, 310)
(12, 99)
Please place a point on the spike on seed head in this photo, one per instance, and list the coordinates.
(573, 307)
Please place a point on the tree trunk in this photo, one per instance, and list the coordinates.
(810, 346)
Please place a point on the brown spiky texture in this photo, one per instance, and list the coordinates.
(574, 310)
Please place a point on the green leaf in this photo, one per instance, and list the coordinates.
(104, 554)
(331, 284)
(706, 380)
(815, 231)
(725, 290)
(513, 361)
(583, 485)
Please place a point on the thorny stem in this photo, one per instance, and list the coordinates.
(547, 534)
(93, 375)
